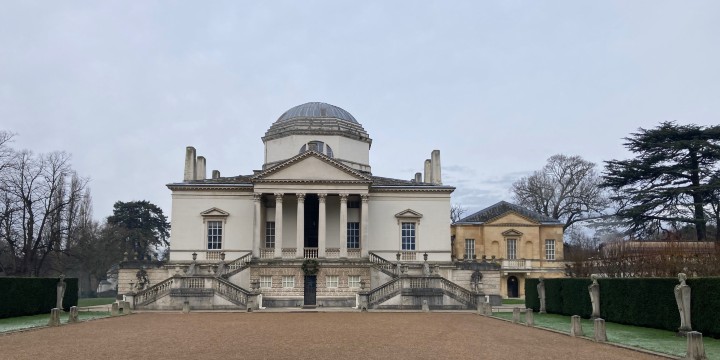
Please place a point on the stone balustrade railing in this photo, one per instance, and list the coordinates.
(384, 292)
(238, 264)
(288, 253)
(311, 253)
(354, 253)
(332, 253)
(383, 264)
(153, 293)
(230, 291)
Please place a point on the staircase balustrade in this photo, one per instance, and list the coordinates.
(230, 291)
(384, 292)
(153, 293)
(238, 265)
(383, 265)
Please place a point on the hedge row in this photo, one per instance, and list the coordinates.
(641, 302)
(31, 296)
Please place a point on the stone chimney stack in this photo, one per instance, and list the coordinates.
(428, 171)
(189, 164)
(200, 173)
(418, 177)
(436, 175)
(216, 174)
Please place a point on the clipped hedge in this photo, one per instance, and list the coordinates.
(31, 296)
(647, 302)
(705, 305)
(532, 300)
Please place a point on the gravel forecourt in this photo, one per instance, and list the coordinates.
(321, 335)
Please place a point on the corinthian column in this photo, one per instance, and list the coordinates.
(300, 244)
(321, 225)
(256, 226)
(343, 225)
(364, 225)
(278, 225)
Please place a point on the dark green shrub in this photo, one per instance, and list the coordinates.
(641, 302)
(31, 296)
(553, 296)
(532, 301)
(705, 306)
(575, 297)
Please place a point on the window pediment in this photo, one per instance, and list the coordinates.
(512, 232)
(408, 214)
(214, 212)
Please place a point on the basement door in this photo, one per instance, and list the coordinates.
(310, 289)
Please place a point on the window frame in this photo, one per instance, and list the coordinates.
(353, 235)
(511, 255)
(351, 281)
(408, 236)
(469, 251)
(214, 234)
(270, 235)
(329, 283)
(266, 278)
(288, 282)
(550, 250)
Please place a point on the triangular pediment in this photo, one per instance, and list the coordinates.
(511, 217)
(512, 232)
(311, 166)
(214, 212)
(409, 214)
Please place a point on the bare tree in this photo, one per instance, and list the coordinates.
(456, 212)
(566, 188)
(37, 192)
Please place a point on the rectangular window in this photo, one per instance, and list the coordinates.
(408, 236)
(512, 249)
(270, 234)
(288, 281)
(331, 281)
(469, 248)
(265, 281)
(353, 235)
(354, 281)
(550, 249)
(214, 237)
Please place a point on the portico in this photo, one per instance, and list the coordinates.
(313, 225)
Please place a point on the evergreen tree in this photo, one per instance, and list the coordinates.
(670, 178)
(143, 225)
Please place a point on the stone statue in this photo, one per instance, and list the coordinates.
(682, 297)
(475, 280)
(594, 290)
(60, 291)
(541, 294)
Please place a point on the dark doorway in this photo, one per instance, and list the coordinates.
(512, 287)
(310, 289)
(311, 220)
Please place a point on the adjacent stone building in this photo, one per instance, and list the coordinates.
(524, 243)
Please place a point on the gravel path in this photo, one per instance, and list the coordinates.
(302, 336)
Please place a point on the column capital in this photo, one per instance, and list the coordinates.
(257, 196)
(279, 197)
(364, 197)
(343, 197)
(322, 197)
(300, 196)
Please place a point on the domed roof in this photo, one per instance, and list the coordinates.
(316, 110)
(317, 118)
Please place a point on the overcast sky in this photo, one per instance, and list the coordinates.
(498, 87)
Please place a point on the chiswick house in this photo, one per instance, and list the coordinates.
(313, 226)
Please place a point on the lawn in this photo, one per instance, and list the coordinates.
(513, 301)
(95, 301)
(652, 339)
(26, 322)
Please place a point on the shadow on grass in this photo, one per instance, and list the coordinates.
(661, 341)
(27, 322)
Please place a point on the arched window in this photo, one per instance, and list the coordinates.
(317, 146)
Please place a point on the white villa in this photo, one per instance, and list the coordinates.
(313, 227)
